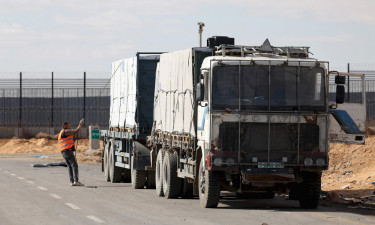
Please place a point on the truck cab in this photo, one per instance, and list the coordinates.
(264, 121)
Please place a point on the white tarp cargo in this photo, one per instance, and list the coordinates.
(123, 93)
(174, 100)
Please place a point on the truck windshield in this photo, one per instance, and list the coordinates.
(257, 88)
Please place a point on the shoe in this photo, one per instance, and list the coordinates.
(78, 184)
(72, 184)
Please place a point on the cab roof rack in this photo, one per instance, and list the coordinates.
(265, 49)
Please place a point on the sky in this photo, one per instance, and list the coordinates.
(88, 35)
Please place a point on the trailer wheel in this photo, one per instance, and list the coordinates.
(209, 187)
(150, 179)
(171, 183)
(105, 162)
(186, 189)
(115, 173)
(127, 175)
(159, 174)
(138, 177)
(310, 190)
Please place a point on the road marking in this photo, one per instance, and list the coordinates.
(30, 182)
(55, 196)
(12, 174)
(96, 219)
(21, 178)
(337, 218)
(43, 188)
(6, 171)
(72, 206)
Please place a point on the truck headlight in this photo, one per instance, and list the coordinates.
(320, 161)
(230, 162)
(218, 161)
(308, 161)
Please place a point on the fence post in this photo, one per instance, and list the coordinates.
(348, 83)
(20, 107)
(84, 94)
(52, 106)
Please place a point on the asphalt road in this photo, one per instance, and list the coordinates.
(44, 196)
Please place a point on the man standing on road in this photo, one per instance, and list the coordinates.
(66, 143)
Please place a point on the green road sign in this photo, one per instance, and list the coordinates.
(95, 134)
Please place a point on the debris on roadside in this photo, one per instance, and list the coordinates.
(50, 164)
(363, 202)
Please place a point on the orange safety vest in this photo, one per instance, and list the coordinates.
(65, 143)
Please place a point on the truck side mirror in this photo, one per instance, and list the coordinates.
(340, 94)
(199, 94)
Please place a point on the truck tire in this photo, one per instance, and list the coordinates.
(186, 189)
(171, 183)
(115, 173)
(106, 163)
(150, 179)
(310, 190)
(127, 176)
(159, 174)
(138, 177)
(209, 187)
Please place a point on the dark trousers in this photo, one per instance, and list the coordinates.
(72, 165)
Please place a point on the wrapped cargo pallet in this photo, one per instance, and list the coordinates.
(174, 95)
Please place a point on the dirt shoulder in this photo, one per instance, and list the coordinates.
(43, 144)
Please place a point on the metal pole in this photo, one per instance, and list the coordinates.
(84, 94)
(20, 103)
(52, 106)
(20, 107)
(201, 25)
(348, 83)
(4, 107)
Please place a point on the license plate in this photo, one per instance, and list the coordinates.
(270, 165)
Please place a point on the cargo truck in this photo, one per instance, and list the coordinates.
(254, 120)
(125, 156)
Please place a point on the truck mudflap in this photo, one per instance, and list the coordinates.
(141, 156)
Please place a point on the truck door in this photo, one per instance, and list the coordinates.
(348, 120)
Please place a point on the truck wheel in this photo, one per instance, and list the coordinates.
(159, 174)
(310, 190)
(171, 183)
(209, 187)
(127, 176)
(150, 179)
(106, 163)
(186, 189)
(115, 173)
(138, 177)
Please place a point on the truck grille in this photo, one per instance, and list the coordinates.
(253, 139)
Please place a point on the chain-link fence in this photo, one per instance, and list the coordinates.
(353, 87)
(46, 100)
(49, 99)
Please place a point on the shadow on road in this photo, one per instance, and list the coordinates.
(280, 203)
